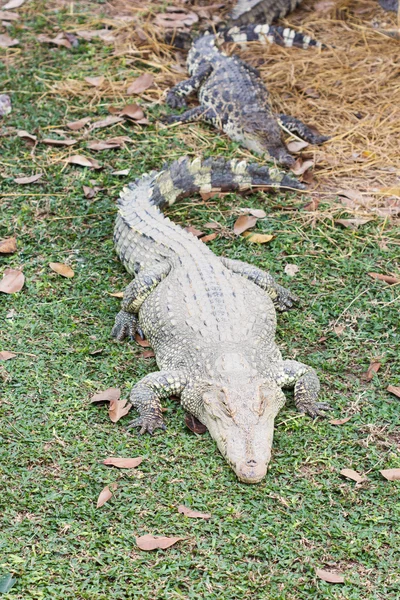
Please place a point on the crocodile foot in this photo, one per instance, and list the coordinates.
(175, 101)
(314, 409)
(147, 424)
(285, 300)
(125, 325)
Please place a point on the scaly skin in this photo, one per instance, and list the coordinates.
(261, 11)
(233, 96)
(210, 321)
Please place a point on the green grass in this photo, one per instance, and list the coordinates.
(263, 541)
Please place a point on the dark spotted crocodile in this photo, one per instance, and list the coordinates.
(261, 11)
(233, 96)
(210, 320)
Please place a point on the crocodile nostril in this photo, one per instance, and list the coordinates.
(251, 462)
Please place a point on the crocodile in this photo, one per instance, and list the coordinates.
(261, 11)
(233, 96)
(210, 320)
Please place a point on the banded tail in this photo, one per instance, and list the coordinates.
(268, 34)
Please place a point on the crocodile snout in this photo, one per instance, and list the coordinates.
(251, 471)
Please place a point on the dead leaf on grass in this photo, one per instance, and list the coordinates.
(297, 145)
(151, 542)
(148, 354)
(196, 232)
(291, 270)
(329, 577)
(12, 282)
(193, 514)
(30, 179)
(142, 83)
(194, 424)
(109, 144)
(356, 196)
(393, 390)
(55, 142)
(8, 245)
(353, 223)
(90, 192)
(313, 205)
(123, 463)
(372, 369)
(391, 279)
(8, 16)
(121, 172)
(243, 223)
(258, 238)
(104, 34)
(95, 81)
(105, 495)
(76, 125)
(62, 269)
(339, 329)
(83, 161)
(391, 474)
(107, 395)
(255, 212)
(141, 342)
(6, 355)
(118, 409)
(351, 474)
(13, 4)
(175, 18)
(25, 135)
(301, 167)
(59, 40)
(5, 105)
(110, 120)
(209, 237)
(340, 421)
(7, 41)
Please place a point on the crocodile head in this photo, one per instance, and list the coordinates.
(262, 135)
(239, 414)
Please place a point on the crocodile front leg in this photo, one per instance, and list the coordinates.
(134, 296)
(198, 113)
(282, 298)
(146, 396)
(299, 128)
(306, 387)
(176, 95)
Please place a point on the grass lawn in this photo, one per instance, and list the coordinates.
(263, 541)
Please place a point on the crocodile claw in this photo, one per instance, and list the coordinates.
(285, 300)
(125, 326)
(315, 409)
(147, 424)
(175, 101)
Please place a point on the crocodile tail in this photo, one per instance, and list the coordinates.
(184, 178)
(261, 11)
(182, 40)
(282, 36)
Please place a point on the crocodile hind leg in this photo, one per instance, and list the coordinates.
(306, 387)
(176, 95)
(198, 113)
(299, 128)
(146, 396)
(282, 298)
(135, 294)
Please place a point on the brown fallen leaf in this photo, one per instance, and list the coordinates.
(5, 105)
(7, 41)
(132, 111)
(62, 269)
(393, 390)
(121, 172)
(54, 142)
(107, 395)
(329, 577)
(356, 197)
(13, 4)
(212, 225)
(196, 232)
(391, 474)
(105, 495)
(5, 15)
(123, 463)
(258, 238)
(291, 270)
(209, 237)
(118, 409)
(75, 125)
(213, 194)
(372, 369)
(351, 474)
(143, 343)
(8, 245)
(148, 354)
(339, 329)
(353, 223)
(175, 18)
(313, 205)
(6, 355)
(142, 83)
(193, 514)
(12, 282)
(116, 294)
(387, 278)
(28, 137)
(83, 161)
(90, 192)
(110, 144)
(194, 424)
(95, 81)
(104, 34)
(256, 212)
(340, 421)
(59, 40)
(243, 223)
(297, 145)
(110, 120)
(30, 179)
(301, 167)
(151, 542)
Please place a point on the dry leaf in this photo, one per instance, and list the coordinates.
(151, 542)
(243, 223)
(132, 111)
(104, 496)
(391, 474)
(387, 278)
(110, 120)
(148, 354)
(12, 282)
(54, 142)
(209, 237)
(338, 329)
(140, 84)
(95, 81)
(353, 223)
(175, 18)
(194, 424)
(8, 245)
(116, 294)
(141, 342)
(351, 474)
(258, 238)
(122, 172)
(297, 145)
(25, 135)
(110, 144)
(356, 197)
(75, 125)
(5, 355)
(313, 205)
(107, 395)
(30, 179)
(89, 192)
(393, 390)
(13, 4)
(123, 463)
(194, 514)
(301, 167)
(8, 16)
(340, 421)
(256, 212)
(5, 105)
(104, 34)
(83, 161)
(291, 270)
(372, 369)
(329, 577)
(118, 409)
(6, 41)
(59, 40)
(196, 232)
(62, 269)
